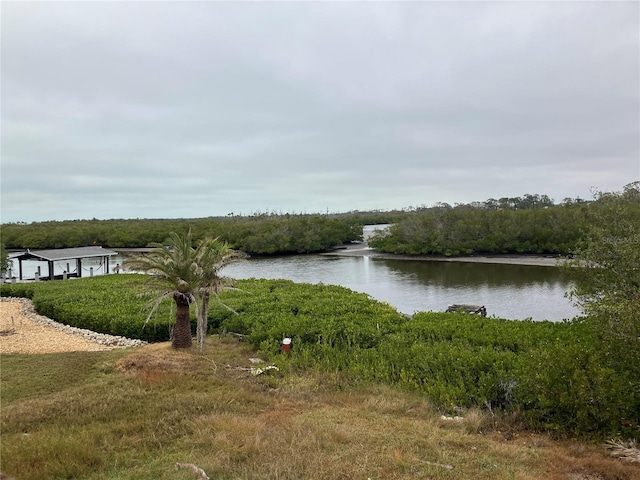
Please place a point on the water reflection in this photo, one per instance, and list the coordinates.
(465, 274)
(509, 291)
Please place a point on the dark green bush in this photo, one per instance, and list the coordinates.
(22, 290)
(568, 387)
(113, 304)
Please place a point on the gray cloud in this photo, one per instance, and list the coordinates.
(165, 109)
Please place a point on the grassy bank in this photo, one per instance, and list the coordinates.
(135, 414)
(552, 377)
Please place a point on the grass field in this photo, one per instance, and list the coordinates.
(136, 413)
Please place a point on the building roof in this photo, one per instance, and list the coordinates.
(67, 253)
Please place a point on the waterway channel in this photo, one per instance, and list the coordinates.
(506, 290)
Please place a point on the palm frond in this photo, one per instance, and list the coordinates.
(154, 304)
(624, 450)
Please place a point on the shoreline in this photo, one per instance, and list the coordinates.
(363, 250)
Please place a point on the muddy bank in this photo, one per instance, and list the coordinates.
(363, 250)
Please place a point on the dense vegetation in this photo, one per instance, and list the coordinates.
(4, 259)
(485, 229)
(260, 234)
(606, 272)
(553, 375)
(528, 224)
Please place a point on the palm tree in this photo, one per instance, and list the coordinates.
(212, 256)
(181, 271)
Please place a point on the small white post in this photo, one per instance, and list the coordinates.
(91, 272)
(37, 276)
(64, 275)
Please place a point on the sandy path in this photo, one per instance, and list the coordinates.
(21, 334)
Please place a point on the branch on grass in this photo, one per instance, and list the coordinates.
(627, 451)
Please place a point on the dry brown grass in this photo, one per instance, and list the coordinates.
(157, 407)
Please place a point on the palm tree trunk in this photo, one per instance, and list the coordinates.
(203, 320)
(182, 329)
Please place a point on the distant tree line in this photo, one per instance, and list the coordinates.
(465, 230)
(532, 224)
(528, 224)
(263, 234)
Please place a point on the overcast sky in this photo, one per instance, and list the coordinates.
(195, 109)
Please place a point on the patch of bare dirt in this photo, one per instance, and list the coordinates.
(22, 330)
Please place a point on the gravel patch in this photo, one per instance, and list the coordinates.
(23, 330)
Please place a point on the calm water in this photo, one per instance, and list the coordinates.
(508, 291)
